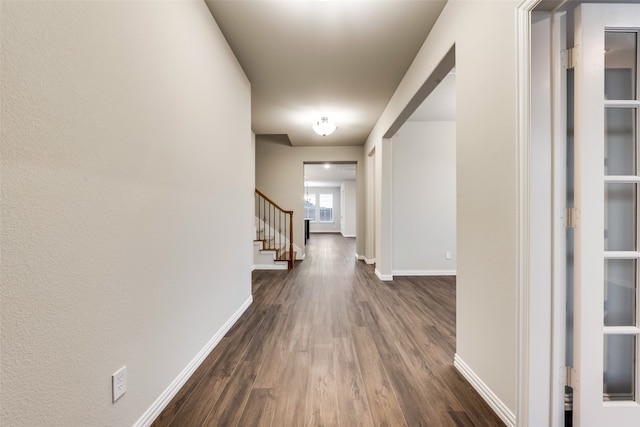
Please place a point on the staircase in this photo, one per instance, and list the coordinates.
(273, 241)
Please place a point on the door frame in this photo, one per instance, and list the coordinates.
(540, 341)
(525, 305)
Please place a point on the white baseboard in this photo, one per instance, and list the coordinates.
(423, 272)
(384, 277)
(348, 235)
(163, 400)
(369, 261)
(359, 257)
(505, 414)
(282, 266)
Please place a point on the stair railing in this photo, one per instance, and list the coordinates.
(274, 228)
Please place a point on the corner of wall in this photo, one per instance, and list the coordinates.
(498, 406)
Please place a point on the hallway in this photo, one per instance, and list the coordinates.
(329, 344)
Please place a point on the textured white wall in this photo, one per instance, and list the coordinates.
(424, 197)
(483, 33)
(123, 240)
(280, 175)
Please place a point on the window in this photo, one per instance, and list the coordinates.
(326, 207)
(310, 207)
(318, 207)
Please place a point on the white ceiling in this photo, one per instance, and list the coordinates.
(328, 174)
(308, 58)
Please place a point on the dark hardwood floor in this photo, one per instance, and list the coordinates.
(329, 344)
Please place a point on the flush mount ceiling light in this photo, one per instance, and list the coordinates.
(323, 127)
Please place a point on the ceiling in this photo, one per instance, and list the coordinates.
(328, 174)
(440, 105)
(308, 58)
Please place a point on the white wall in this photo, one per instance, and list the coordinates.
(349, 210)
(280, 176)
(327, 227)
(424, 198)
(121, 122)
(483, 33)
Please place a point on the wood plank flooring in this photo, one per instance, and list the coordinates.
(328, 344)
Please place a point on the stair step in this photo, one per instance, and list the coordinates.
(272, 245)
(285, 257)
(261, 236)
(280, 251)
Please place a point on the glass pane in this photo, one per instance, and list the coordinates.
(570, 235)
(310, 207)
(620, 65)
(620, 142)
(620, 292)
(620, 217)
(326, 207)
(619, 367)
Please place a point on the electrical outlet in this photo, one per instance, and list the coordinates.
(447, 255)
(119, 383)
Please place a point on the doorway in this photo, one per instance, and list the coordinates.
(423, 190)
(330, 195)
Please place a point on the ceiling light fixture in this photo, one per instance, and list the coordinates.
(323, 127)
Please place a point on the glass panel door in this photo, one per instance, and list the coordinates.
(607, 240)
(621, 215)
